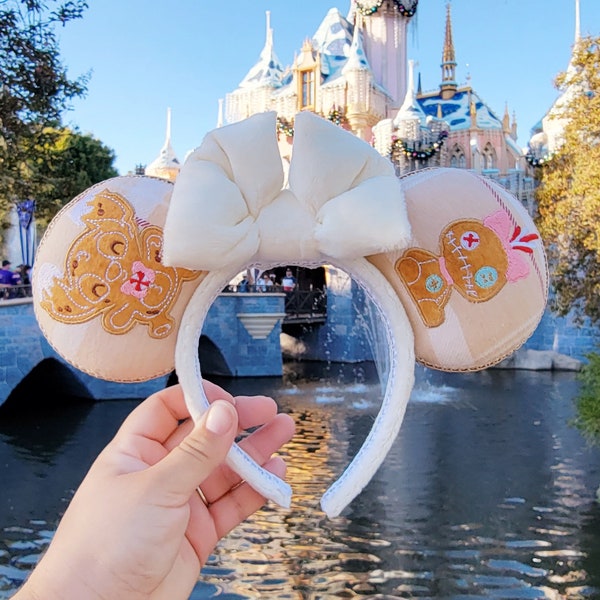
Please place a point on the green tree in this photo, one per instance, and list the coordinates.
(34, 90)
(568, 196)
(71, 163)
(587, 403)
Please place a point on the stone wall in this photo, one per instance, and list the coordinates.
(236, 323)
(231, 323)
(564, 335)
(23, 347)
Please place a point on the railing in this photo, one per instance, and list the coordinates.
(306, 302)
(252, 289)
(10, 292)
(300, 305)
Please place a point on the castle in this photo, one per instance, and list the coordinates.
(355, 71)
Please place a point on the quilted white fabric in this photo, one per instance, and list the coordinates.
(229, 205)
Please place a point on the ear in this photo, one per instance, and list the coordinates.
(102, 296)
(473, 278)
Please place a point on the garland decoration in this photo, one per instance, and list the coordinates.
(284, 126)
(337, 116)
(368, 10)
(418, 153)
(537, 162)
(373, 6)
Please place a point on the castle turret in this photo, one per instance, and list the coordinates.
(358, 75)
(410, 118)
(550, 138)
(384, 24)
(412, 140)
(513, 127)
(254, 93)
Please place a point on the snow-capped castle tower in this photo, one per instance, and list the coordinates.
(547, 134)
(352, 70)
(165, 165)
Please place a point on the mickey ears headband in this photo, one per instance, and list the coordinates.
(127, 271)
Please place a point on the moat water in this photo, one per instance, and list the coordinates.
(488, 491)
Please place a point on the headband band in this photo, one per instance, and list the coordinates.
(387, 423)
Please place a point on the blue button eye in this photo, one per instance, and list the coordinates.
(486, 277)
(434, 284)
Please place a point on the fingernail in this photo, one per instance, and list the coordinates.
(220, 417)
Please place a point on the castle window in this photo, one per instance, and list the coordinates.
(489, 157)
(308, 89)
(458, 160)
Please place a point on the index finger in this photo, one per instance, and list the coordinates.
(157, 417)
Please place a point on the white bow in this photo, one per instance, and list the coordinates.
(229, 204)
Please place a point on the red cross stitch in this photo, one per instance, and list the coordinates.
(470, 240)
(140, 281)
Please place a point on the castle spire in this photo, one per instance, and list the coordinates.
(513, 127)
(410, 110)
(359, 77)
(506, 119)
(168, 132)
(357, 59)
(267, 72)
(448, 86)
(220, 114)
(166, 165)
(570, 68)
(269, 40)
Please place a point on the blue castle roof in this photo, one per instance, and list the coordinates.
(456, 110)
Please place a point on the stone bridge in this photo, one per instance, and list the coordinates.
(241, 337)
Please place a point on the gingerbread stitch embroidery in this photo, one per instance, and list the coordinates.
(113, 269)
(476, 259)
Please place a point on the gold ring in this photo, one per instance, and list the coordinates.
(202, 497)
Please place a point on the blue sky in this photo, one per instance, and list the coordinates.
(146, 56)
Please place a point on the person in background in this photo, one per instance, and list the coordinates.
(25, 274)
(288, 282)
(158, 499)
(243, 285)
(7, 275)
(261, 283)
(8, 279)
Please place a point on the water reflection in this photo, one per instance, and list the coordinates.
(487, 493)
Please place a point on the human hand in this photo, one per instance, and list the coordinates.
(136, 527)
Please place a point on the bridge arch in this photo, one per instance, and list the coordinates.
(211, 358)
(230, 342)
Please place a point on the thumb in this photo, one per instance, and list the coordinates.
(199, 454)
